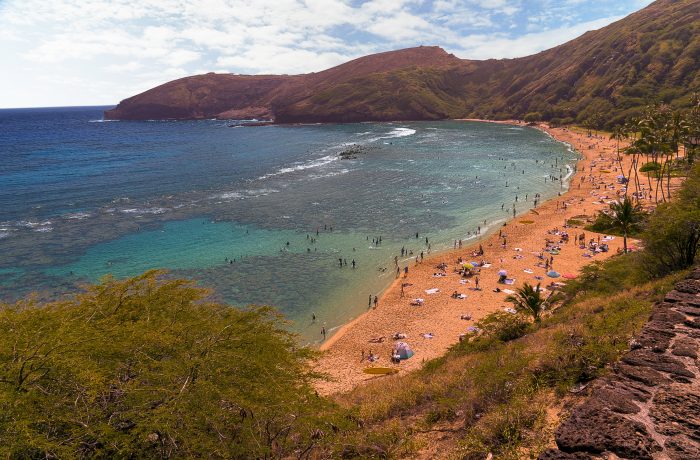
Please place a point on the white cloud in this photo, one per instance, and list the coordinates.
(499, 46)
(68, 52)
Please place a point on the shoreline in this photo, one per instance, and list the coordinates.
(440, 316)
(342, 329)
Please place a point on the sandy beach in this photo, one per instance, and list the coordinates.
(431, 328)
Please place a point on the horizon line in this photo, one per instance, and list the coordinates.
(59, 107)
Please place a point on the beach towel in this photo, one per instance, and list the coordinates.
(510, 281)
(462, 296)
(428, 335)
(510, 310)
(486, 266)
(508, 291)
(432, 291)
(528, 271)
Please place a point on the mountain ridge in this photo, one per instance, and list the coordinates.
(651, 54)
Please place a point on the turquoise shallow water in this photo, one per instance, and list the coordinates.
(83, 199)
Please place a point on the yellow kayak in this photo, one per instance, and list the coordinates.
(380, 370)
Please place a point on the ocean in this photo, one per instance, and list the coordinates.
(261, 215)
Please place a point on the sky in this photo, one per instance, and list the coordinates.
(98, 52)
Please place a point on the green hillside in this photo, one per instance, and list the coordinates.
(605, 76)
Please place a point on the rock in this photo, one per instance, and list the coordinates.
(688, 287)
(618, 400)
(659, 362)
(677, 296)
(649, 406)
(654, 337)
(689, 310)
(677, 412)
(555, 454)
(680, 448)
(686, 347)
(595, 429)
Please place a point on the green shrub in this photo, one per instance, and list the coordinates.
(672, 235)
(504, 326)
(532, 117)
(146, 368)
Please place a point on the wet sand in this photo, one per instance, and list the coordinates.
(591, 189)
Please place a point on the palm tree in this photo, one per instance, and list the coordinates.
(636, 148)
(626, 217)
(529, 300)
(619, 134)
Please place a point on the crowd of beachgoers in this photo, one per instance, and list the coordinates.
(440, 299)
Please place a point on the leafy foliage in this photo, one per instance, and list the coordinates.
(147, 368)
(529, 300)
(625, 216)
(503, 326)
(672, 235)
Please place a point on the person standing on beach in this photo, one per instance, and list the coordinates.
(353, 263)
(369, 304)
(323, 332)
(405, 271)
(376, 301)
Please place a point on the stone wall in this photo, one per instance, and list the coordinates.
(648, 407)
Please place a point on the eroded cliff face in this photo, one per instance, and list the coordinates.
(648, 407)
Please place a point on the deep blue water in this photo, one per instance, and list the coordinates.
(81, 198)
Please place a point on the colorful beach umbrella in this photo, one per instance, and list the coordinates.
(553, 274)
(569, 276)
(474, 264)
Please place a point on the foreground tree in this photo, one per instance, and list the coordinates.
(148, 368)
